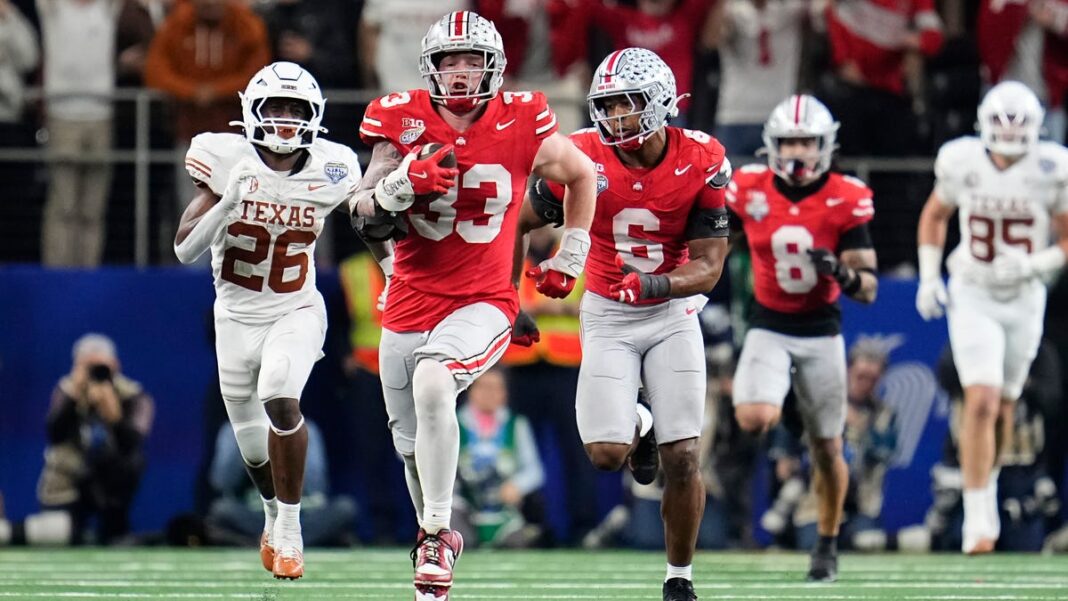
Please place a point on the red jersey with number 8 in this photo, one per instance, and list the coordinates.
(642, 214)
(780, 233)
(459, 247)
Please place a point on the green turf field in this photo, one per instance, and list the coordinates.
(619, 576)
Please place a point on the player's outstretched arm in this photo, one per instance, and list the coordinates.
(528, 222)
(385, 158)
(861, 263)
(559, 160)
(931, 294)
(205, 217)
(700, 274)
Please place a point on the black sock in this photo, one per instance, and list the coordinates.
(827, 545)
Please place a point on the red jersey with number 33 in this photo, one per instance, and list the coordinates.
(459, 247)
(781, 232)
(642, 214)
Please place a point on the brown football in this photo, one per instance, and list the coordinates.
(448, 160)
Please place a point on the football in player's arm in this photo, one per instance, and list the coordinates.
(558, 160)
(443, 218)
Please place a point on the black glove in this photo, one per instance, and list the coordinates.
(379, 227)
(826, 263)
(525, 330)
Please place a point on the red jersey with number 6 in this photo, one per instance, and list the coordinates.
(780, 233)
(642, 214)
(459, 247)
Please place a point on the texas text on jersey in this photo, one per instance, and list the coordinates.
(459, 247)
(643, 214)
(1000, 211)
(782, 223)
(263, 265)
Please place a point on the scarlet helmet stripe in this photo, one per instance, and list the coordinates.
(610, 68)
(459, 22)
(797, 109)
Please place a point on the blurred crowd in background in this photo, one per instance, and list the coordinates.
(903, 76)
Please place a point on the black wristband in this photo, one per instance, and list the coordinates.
(849, 281)
(659, 286)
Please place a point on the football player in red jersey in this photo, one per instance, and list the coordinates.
(807, 231)
(451, 303)
(658, 240)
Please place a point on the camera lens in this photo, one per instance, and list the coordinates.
(99, 373)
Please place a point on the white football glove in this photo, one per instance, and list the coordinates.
(381, 305)
(241, 182)
(395, 192)
(1011, 268)
(570, 258)
(931, 299)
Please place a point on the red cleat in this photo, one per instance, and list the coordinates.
(434, 556)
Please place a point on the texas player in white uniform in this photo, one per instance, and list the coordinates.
(807, 231)
(451, 303)
(262, 199)
(1009, 188)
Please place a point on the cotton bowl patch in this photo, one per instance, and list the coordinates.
(602, 183)
(336, 171)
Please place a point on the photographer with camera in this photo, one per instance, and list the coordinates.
(97, 424)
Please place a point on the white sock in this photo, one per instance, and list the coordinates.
(975, 508)
(645, 420)
(436, 517)
(287, 527)
(993, 516)
(270, 514)
(684, 572)
(5, 532)
(437, 441)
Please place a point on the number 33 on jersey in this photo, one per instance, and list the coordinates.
(781, 232)
(459, 247)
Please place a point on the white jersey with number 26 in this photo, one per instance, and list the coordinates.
(263, 260)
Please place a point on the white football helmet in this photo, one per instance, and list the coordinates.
(800, 116)
(1010, 117)
(636, 73)
(463, 31)
(281, 80)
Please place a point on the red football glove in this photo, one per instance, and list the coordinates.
(525, 330)
(550, 282)
(427, 176)
(638, 285)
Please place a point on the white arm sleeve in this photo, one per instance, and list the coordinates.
(207, 229)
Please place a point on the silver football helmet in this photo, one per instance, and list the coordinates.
(1010, 118)
(281, 135)
(646, 81)
(800, 116)
(463, 31)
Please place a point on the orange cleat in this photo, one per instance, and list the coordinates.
(289, 566)
(982, 547)
(266, 553)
